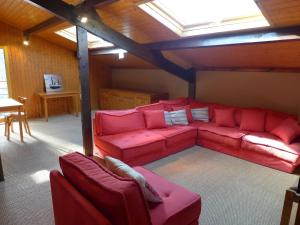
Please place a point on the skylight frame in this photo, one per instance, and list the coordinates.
(70, 34)
(228, 24)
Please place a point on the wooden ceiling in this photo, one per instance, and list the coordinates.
(125, 17)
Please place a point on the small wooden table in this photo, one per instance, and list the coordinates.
(11, 105)
(63, 94)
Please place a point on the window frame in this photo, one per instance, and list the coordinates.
(6, 62)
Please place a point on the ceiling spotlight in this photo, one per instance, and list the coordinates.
(83, 19)
(25, 42)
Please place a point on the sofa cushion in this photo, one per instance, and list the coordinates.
(180, 206)
(287, 131)
(154, 106)
(225, 117)
(122, 169)
(117, 198)
(179, 117)
(269, 144)
(229, 136)
(253, 120)
(187, 110)
(129, 145)
(169, 104)
(200, 114)
(118, 121)
(274, 119)
(155, 119)
(177, 134)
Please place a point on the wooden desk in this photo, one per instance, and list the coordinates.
(63, 94)
(11, 105)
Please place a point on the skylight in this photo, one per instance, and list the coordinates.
(196, 17)
(93, 41)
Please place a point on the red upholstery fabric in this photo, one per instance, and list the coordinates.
(197, 104)
(179, 207)
(188, 111)
(225, 135)
(117, 198)
(225, 117)
(287, 131)
(70, 207)
(155, 119)
(176, 134)
(129, 145)
(274, 119)
(155, 106)
(115, 122)
(169, 104)
(232, 132)
(268, 144)
(253, 120)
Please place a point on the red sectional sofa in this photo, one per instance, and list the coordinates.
(123, 134)
(89, 194)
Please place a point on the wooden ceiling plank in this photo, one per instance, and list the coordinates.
(98, 28)
(44, 25)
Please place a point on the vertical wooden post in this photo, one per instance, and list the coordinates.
(83, 56)
(192, 84)
(1, 170)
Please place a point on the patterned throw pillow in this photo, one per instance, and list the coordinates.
(179, 117)
(200, 114)
(168, 118)
(123, 170)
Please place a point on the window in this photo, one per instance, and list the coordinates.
(196, 17)
(93, 41)
(4, 92)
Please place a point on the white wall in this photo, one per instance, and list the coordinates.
(149, 80)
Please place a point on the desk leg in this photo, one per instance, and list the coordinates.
(20, 124)
(77, 104)
(45, 109)
(1, 171)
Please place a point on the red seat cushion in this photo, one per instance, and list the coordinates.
(177, 134)
(225, 117)
(129, 145)
(267, 143)
(117, 198)
(253, 120)
(118, 121)
(155, 119)
(229, 136)
(188, 111)
(287, 131)
(179, 206)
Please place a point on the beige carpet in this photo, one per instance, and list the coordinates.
(233, 191)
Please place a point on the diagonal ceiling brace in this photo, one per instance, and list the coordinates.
(97, 27)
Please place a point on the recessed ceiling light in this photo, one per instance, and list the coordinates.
(83, 19)
(26, 42)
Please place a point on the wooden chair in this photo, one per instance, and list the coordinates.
(12, 117)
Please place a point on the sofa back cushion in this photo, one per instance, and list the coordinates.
(117, 198)
(154, 106)
(253, 120)
(169, 104)
(118, 121)
(155, 119)
(225, 117)
(274, 119)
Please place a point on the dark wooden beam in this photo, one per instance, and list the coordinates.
(1, 170)
(43, 26)
(97, 3)
(192, 85)
(262, 35)
(83, 57)
(97, 27)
